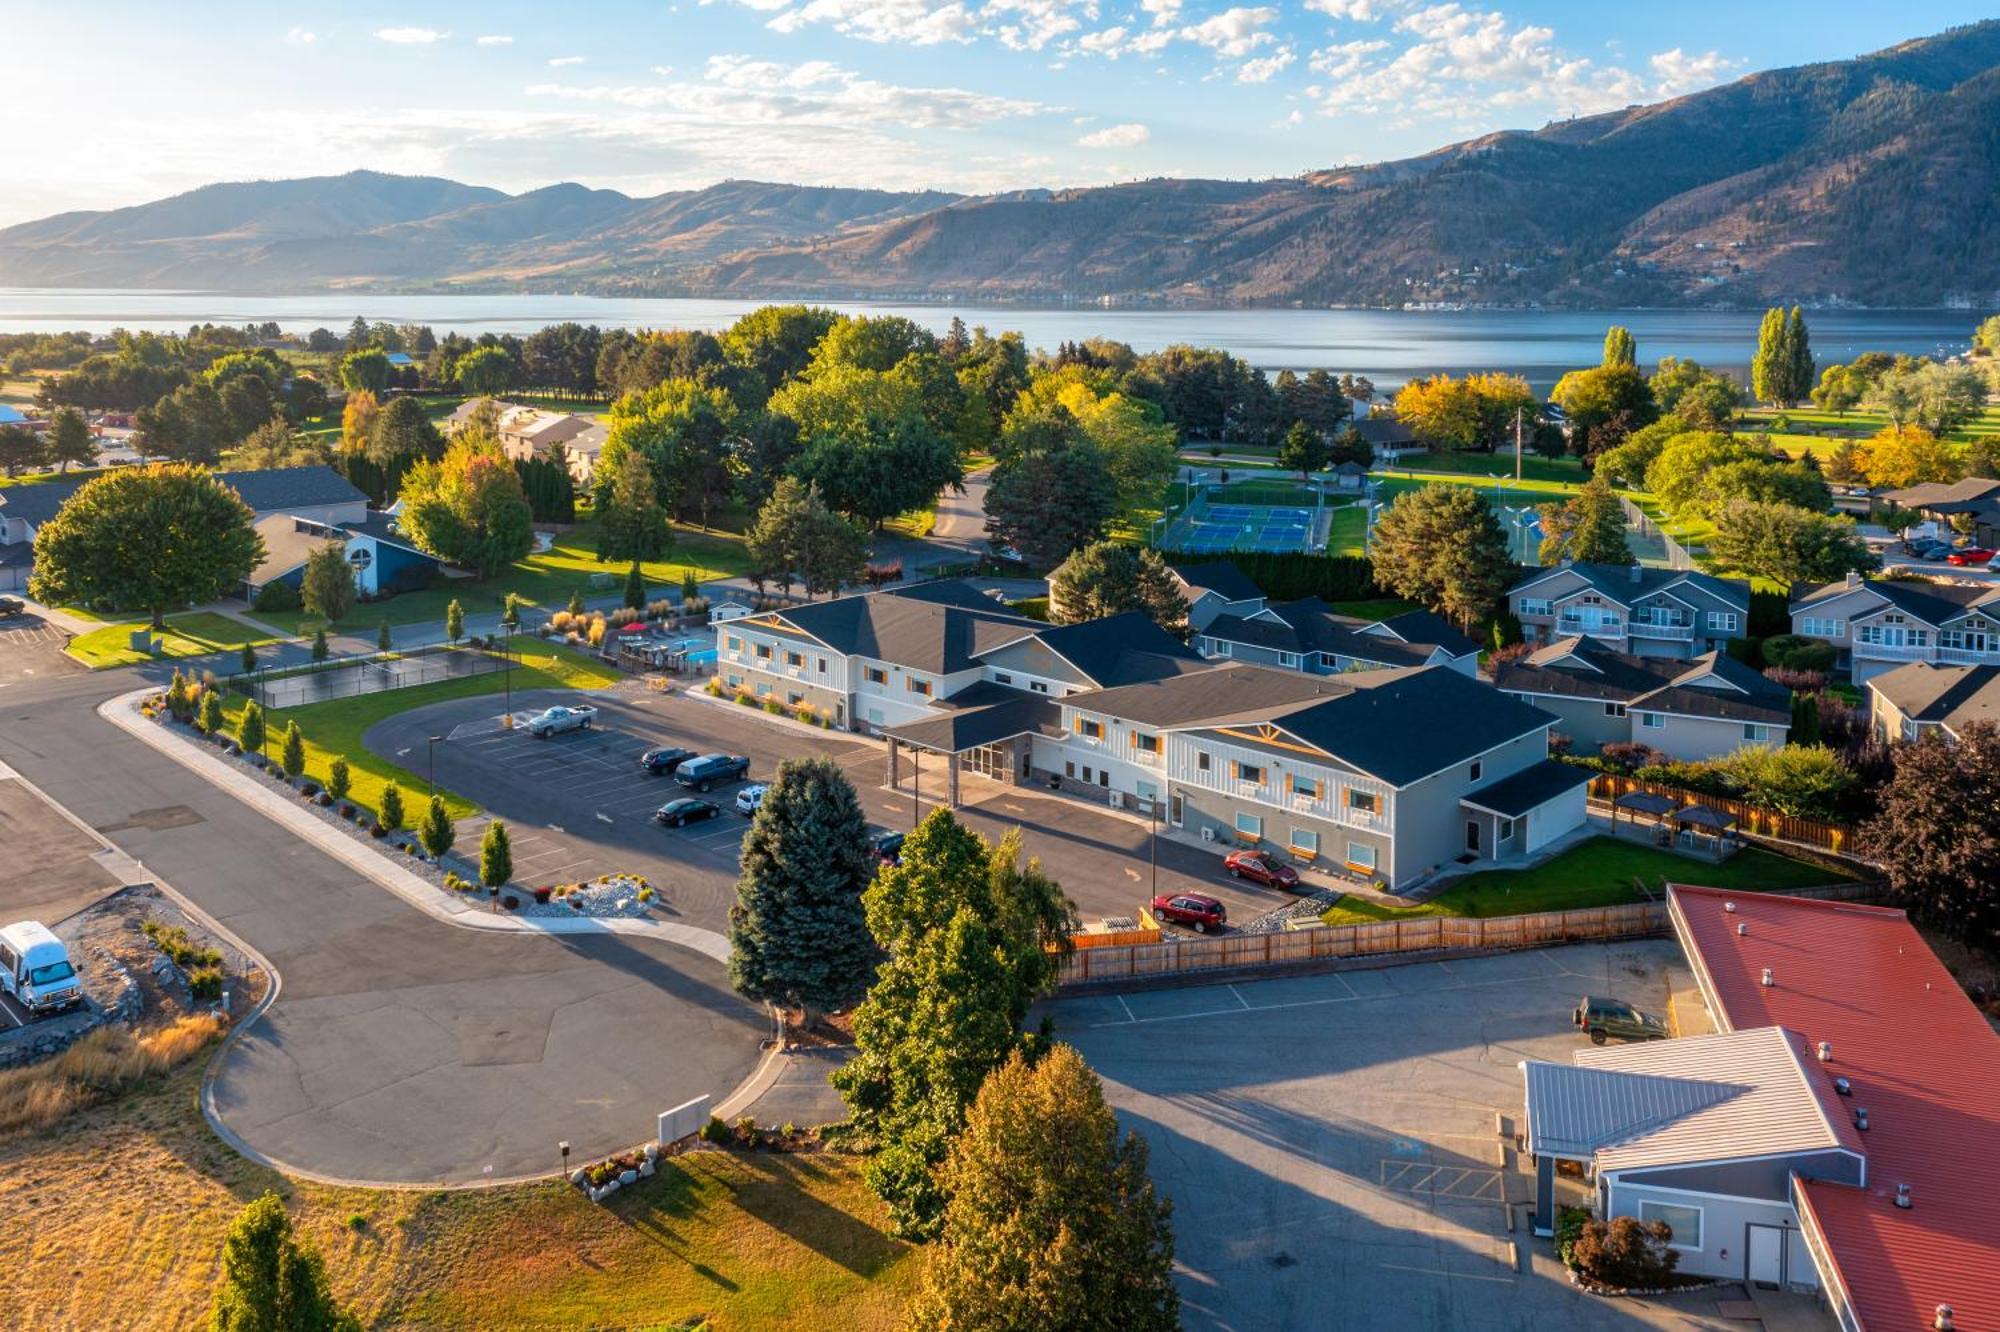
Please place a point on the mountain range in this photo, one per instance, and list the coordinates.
(1869, 181)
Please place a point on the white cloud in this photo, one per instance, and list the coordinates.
(1679, 72)
(559, 62)
(1346, 60)
(1106, 43)
(906, 22)
(411, 36)
(496, 39)
(1030, 25)
(1234, 32)
(1265, 68)
(302, 36)
(1116, 136)
(1358, 11)
(1163, 11)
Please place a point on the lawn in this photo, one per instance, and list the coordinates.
(914, 525)
(1534, 467)
(1599, 872)
(336, 726)
(721, 1241)
(1347, 534)
(192, 635)
(1820, 433)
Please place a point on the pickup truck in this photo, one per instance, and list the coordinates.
(699, 774)
(12, 606)
(557, 720)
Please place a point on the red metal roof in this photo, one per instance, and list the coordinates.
(1921, 1059)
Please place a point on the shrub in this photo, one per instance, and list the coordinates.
(746, 698)
(208, 717)
(391, 814)
(645, 894)
(1627, 755)
(714, 1130)
(1569, 1224)
(596, 635)
(1625, 1253)
(1798, 653)
(1799, 682)
(339, 780)
(278, 597)
(356, 1221)
(746, 1130)
(714, 686)
(1807, 781)
(774, 707)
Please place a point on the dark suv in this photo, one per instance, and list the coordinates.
(1198, 911)
(1606, 1018)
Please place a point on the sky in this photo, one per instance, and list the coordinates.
(108, 102)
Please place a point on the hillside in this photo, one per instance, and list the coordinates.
(1866, 180)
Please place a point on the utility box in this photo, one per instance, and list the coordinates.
(142, 641)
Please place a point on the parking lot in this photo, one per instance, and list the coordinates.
(29, 648)
(578, 804)
(1330, 1141)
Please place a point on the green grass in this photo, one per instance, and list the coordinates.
(915, 525)
(336, 726)
(1260, 490)
(1534, 467)
(1035, 608)
(1599, 872)
(1374, 608)
(193, 635)
(1347, 534)
(1821, 433)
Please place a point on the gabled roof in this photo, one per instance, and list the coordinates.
(1423, 626)
(276, 490)
(1713, 685)
(1628, 583)
(1921, 1059)
(1964, 495)
(287, 543)
(1310, 625)
(1952, 696)
(992, 721)
(1217, 576)
(1121, 649)
(1933, 603)
(1221, 691)
(1529, 789)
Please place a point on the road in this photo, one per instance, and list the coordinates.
(400, 1048)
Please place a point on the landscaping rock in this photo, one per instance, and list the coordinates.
(628, 1177)
(579, 1175)
(646, 1168)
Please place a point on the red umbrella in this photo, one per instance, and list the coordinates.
(633, 628)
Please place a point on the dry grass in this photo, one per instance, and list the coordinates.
(101, 1065)
(116, 1217)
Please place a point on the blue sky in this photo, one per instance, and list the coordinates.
(114, 103)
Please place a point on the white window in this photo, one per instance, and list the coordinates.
(1753, 732)
(1290, 659)
(1535, 606)
(875, 675)
(1218, 647)
(1614, 709)
(1361, 855)
(1653, 721)
(1815, 627)
(875, 716)
(1201, 761)
(1684, 1221)
(1249, 825)
(1037, 687)
(1305, 841)
(1247, 772)
(735, 643)
(920, 686)
(1722, 621)
(1506, 830)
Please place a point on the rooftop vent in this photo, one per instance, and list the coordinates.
(1742, 927)
(1903, 1196)
(1769, 978)
(1843, 1087)
(1943, 1320)
(1730, 907)
(1861, 1119)
(1825, 1051)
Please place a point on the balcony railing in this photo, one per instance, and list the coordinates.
(1895, 651)
(1572, 628)
(1649, 629)
(1958, 656)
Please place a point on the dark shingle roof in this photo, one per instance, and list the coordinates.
(1584, 668)
(1933, 603)
(1422, 626)
(1626, 583)
(1310, 625)
(969, 728)
(1403, 726)
(1534, 785)
(1955, 696)
(273, 491)
(1962, 495)
(1197, 696)
(1121, 649)
(1220, 577)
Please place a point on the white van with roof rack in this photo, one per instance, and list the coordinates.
(36, 969)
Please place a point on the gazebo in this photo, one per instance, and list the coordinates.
(1694, 823)
(1636, 803)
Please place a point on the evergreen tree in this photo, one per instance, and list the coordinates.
(454, 621)
(247, 659)
(1108, 577)
(208, 716)
(294, 753)
(1047, 502)
(631, 523)
(390, 815)
(1444, 547)
(510, 613)
(250, 727)
(385, 637)
(496, 855)
(576, 602)
(1805, 719)
(438, 832)
(1620, 348)
(690, 585)
(320, 649)
(272, 1282)
(1303, 450)
(796, 534)
(339, 780)
(1798, 359)
(798, 935)
(635, 587)
(1770, 367)
(70, 440)
(1844, 467)
(1053, 1221)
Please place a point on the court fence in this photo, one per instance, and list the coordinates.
(376, 673)
(1677, 556)
(1281, 950)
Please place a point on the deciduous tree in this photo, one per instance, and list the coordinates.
(402, 434)
(1590, 526)
(1787, 544)
(796, 534)
(1938, 833)
(1443, 546)
(271, 1280)
(469, 507)
(1905, 455)
(496, 855)
(366, 369)
(438, 832)
(326, 588)
(631, 524)
(21, 450)
(1620, 347)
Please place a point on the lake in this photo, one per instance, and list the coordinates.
(1386, 346)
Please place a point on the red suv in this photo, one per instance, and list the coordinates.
(1198, 911)
(1260, 868)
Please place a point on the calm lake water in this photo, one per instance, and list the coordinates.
(1387, 346)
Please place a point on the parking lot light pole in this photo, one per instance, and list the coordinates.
(433, 780)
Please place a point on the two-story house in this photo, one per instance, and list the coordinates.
(1215, 588)
(1878, 624)
(1632, 608)
(1688, 710)
(1309, 635)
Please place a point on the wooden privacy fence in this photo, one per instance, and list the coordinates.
(1755, 819)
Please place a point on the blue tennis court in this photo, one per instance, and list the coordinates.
(1214, 528)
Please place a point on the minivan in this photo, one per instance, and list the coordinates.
(35, 968)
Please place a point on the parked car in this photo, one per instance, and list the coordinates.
(679, 813)
(749, 798)
(1930, 550)
(700, 774)
(662, 762)
(554, 721)
(36, 969)
(12, 606)
(1258, 867)
(888, 846)
(1969, 555)
(1198, 911)
(1603, 1019)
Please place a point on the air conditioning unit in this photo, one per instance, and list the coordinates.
(1115, 800)
(1208, 834)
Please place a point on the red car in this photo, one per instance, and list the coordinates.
(1970, 555)
(1198, 911)
(1260, 868)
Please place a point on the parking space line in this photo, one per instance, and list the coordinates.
(1129, 1017)
(1438, 1271)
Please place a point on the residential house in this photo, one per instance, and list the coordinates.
(317, 493)
(531, 432)
(382, 559)
(1878, 624)
(1309, 635)
(1632, 608)
(1878, 1186)
(1972, 501)
(1908, 701)
(1687, 710)
(1389, 437)
(1216, 588)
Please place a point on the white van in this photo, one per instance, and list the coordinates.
(35, 967)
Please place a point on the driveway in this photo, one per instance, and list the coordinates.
(578, 805)
(1330, 1145)
(399, 1048)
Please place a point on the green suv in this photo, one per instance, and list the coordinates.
(1605, 1018)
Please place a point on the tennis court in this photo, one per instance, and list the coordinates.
(367, 675)
(1212, 527)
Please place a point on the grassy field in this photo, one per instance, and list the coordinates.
(1820, 433)
(336, 726)
(1347, 534)
(120, 1213)
(1599, 872)
(192, 635)
(1534, 467)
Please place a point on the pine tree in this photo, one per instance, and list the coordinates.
(438, 832)
(1444, 547)
(294, 754)
(1303, 450)
(271, 1282)
(1844, 467)
(510, 615)
(631, 523)
(249, 658)
(454, 621)
(385, 638)
(496, 855)
(1108, 577)
(390, 815)
(690, 585)
(1053, 1221)
(177, 696)
(209, 715)
(798, 936)
(250, 727)
(576, 601)
(339, 780)
(1620, 348)
(635, 587)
